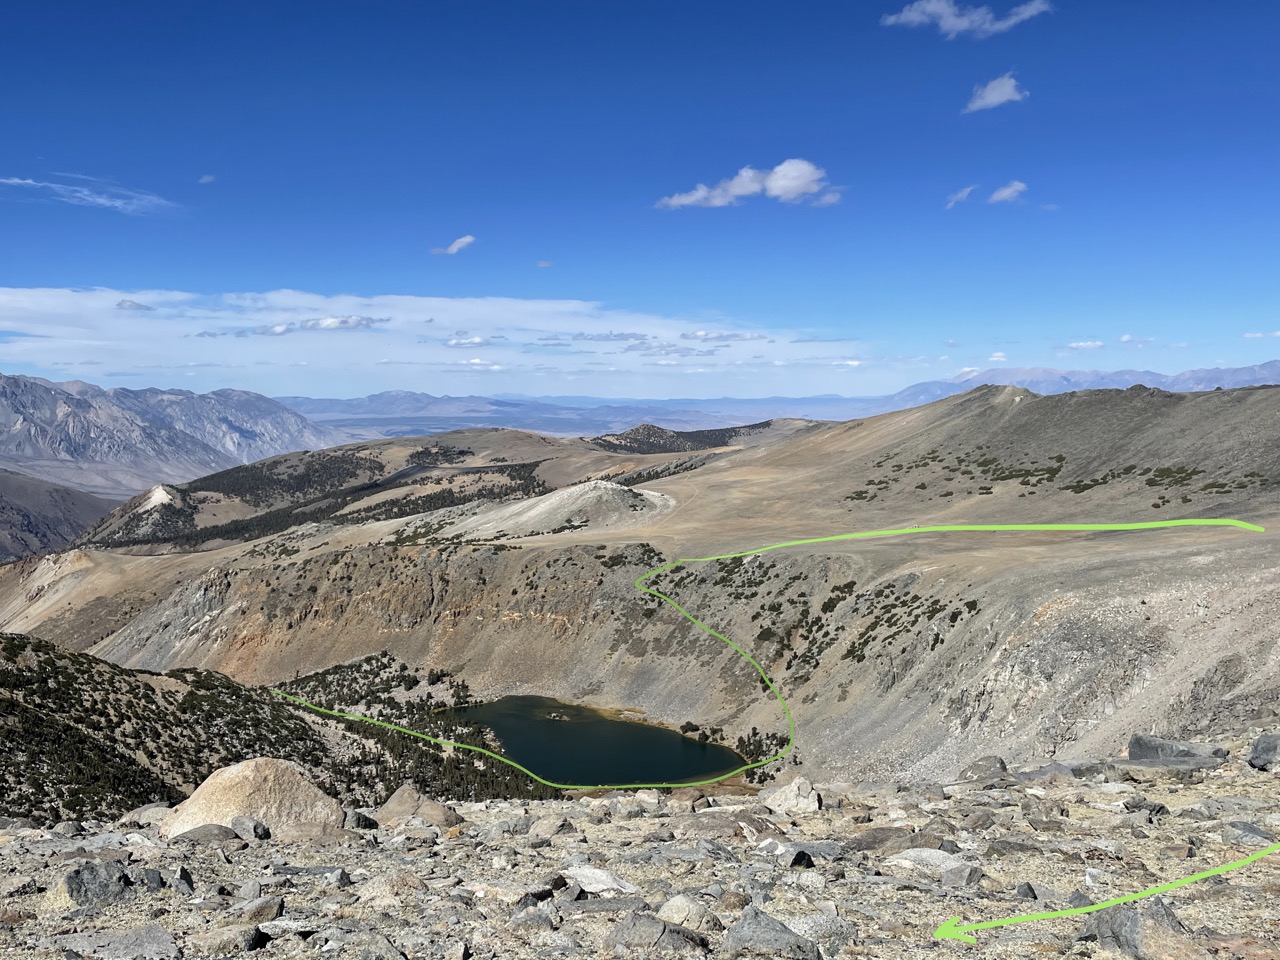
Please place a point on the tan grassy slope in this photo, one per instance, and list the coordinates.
(908, 655)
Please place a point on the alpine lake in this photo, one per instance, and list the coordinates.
(569, 744)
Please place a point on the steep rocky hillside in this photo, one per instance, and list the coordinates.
(82, 736)
(118, 441)
(899, 656)
(37, 516)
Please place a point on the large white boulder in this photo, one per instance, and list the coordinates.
(275, 792)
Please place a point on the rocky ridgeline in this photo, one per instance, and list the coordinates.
(258, 859)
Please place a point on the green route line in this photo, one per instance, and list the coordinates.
(953, 929)
(791, 726)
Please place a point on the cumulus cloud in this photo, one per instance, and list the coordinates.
(92, 192)
(466, 342)
(790, 181)
(960, 196)
(1003, 89)
(1009, 192)
(997, 357)
(951, 19)
(1085, 345)
(460, 244)
(132, 305)
(207, 178)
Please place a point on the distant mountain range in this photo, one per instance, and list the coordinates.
(405, 413)
(116, 442)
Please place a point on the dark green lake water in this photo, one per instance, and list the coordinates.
(587, 748)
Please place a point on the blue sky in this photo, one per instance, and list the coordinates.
(664, 199)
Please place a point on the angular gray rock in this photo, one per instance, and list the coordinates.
(92, 884)
(756, 934)
(1144, 746)
(247, 828)
(1149, 931)
(643, 934)
(225, 941)
(206, 833)
(798, 796)
(149, 942)
(407, 802)
(1266, 752)
(985, 768)
(689, 912)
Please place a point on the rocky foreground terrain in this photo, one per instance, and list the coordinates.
(258, 859)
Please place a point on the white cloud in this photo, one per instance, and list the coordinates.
(298, 342)
(1259, 336)
(960, 196)
(1009, 192)
(790, 181)
(951, 19)
(207, 178)
(132, 305)
(1003, 89)
(708, 337)
(997, 357)
(101, 193)
(351, 322)
(1130, 338)
(460, 244)
(1085, 344)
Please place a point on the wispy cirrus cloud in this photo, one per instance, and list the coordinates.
(1139, 341)
(960, 196)
(1003, 89)
(790, 182)
(610, 336)
(460, 244)
(92, 192)
(707, 336)
(1259, 336)
(951, 19)
(1008, 193)
(207, 178)
(350, 322)
(1085, 345)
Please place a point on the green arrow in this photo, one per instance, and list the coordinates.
(955, 929)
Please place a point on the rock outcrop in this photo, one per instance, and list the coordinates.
(275, 793)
